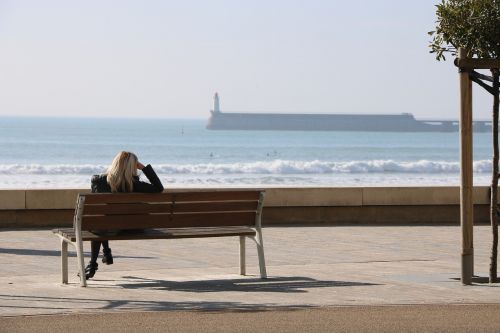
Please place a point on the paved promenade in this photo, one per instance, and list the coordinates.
(308, 267)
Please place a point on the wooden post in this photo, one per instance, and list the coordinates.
(494, 181)
(466, 187)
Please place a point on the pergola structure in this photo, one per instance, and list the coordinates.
(467, 76)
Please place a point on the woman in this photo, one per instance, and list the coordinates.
(121, 176)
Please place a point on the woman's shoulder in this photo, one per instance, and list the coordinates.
(98, 178)
(99, 183)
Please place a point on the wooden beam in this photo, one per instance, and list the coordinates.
(466, 185)
(471, 63)
(474, 77)
(482, 76)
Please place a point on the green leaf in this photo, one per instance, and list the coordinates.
(472, 24)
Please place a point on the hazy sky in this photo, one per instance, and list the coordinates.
(167, 58)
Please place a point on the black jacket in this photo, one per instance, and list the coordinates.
(99, 184)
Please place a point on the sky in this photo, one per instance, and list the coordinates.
(164, 59)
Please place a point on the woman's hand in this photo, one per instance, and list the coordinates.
(140, 166)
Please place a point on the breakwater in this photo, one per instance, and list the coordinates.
(404, 122)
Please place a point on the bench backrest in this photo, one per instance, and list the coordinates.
(109, 211)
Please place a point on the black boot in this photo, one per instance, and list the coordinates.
(107, 257)
(90, 270)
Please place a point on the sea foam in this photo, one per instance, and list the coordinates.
(282, 167)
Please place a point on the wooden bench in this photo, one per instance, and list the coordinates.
(129, 216)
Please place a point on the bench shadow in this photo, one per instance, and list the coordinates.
(60, 305)
(273, 284)
(51, 253)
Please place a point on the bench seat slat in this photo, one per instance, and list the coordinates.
(106, 222)
(210, 196)
(216, 196)
(183, 207)
(161, 233)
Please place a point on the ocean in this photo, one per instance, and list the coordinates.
(66, 152)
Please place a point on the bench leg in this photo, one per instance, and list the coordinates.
(64, 261)
(243, 269)
(81, 264)
(260, 252)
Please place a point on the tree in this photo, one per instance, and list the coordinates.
(475, 26)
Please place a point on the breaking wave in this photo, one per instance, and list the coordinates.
(283, 167)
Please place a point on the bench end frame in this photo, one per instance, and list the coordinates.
(79, 243)
(259, 240)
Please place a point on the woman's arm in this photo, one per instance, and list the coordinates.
(154, 187)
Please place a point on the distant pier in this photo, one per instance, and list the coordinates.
(403, 122)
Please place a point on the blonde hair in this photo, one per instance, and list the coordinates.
(121, 172)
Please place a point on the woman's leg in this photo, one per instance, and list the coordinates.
(95, 247)
(107, 257)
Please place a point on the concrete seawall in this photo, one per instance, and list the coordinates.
(33, 208)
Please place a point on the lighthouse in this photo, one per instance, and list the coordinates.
(216, 103)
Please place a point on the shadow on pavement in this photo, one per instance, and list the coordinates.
(276, 284)
(480, 280)
(72, 304)
(51, 253)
